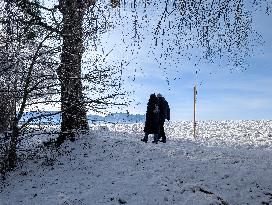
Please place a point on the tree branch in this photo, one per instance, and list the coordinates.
(38, 117)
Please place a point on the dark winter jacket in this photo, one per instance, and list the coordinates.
(164, 109)
(152, 118)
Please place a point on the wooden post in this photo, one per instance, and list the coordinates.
(194, 121)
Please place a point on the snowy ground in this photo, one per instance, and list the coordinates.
(230, 162)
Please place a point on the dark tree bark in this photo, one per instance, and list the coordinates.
(74, 116)
(5, 111)
(12, 155)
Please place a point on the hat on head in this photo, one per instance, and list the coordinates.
(159, 95)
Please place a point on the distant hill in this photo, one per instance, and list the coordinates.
(56, 119)
(124, 117)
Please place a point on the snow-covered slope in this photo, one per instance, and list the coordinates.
(112, 166)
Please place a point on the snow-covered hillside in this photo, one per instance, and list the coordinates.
(230, 162)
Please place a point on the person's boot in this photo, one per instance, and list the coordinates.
(145, 139)
(156, 136)
(163, 137)
(163, 141)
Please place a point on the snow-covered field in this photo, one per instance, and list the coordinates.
(230, 162)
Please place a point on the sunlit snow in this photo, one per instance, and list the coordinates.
(230, 162)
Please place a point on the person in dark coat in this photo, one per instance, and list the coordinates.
(163, 115)
(152, 119)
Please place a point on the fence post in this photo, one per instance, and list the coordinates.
(194, 121)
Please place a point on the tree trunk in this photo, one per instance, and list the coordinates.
(6, 112)
(74, 116)
(12, 155)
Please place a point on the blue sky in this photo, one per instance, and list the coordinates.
(224, 93)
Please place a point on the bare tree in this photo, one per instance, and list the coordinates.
(218, 29)
(74, 117)
(198, 31)
(66, 20)
(31, 45)
(28, 70)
